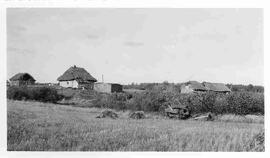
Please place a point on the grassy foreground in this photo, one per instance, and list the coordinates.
(39, 126)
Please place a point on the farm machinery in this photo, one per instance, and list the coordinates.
(177, 111)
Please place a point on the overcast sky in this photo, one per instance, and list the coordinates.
(138, 45)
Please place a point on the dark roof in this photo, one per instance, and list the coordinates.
(217, 87)
(22, 77)
(76, 73)
(195, 85)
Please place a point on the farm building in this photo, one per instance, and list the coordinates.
(22, 79)
(76, 77)
(216, 87)
(108, 87)
(192, 86)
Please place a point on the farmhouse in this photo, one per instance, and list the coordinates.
(22, 79)
(76, 77)
(216, 87)
(192, 86)
(108, 87)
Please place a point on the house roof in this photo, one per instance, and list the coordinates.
(217, 87)
(22, 77)
(76, 73)
(195, 85)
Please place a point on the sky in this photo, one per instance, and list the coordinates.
(137, 45)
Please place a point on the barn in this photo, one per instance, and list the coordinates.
(76, 77)
(22, 79)
(108, 87)
(192, 86)
(216, 87)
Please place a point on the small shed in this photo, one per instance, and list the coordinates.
(22, 79)
(76, 77)
(192, 86)
(108, 87)
(216, 87)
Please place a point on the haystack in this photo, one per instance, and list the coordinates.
(108, 114)
(137, 115)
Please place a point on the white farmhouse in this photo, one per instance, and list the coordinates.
(76, 77)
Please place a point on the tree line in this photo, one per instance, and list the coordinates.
(233, 87)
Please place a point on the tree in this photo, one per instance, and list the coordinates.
(250, 88)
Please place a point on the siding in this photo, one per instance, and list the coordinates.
(87, 85)
(102, 87)
(76, 84)
(20, 83)
(67, 84)
(108, 87)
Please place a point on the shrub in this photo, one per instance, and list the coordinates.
(43, 94)
(17, 93)
(114, 101)
(240, 103)
(156, 99)
(150, 101)
(201, 102)
(243, 103)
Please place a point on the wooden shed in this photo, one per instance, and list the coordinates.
(22, 79)
(216, 87)
(192, 86)
(108, 87)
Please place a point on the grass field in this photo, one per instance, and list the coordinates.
(39, 126)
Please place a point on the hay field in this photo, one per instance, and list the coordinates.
(39, 126)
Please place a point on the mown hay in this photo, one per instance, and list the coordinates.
(137, 115)
(108, 114)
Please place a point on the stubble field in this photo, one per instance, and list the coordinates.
(35, 126)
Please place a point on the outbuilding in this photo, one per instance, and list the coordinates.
(216, 87)
(22, 79)
(192, 86)
(108, 87)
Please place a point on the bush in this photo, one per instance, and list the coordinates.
(243, 103)
(156, 99)
(113, 101)
(153, 101)
(240, 103)
(43, 94)
(202, 102)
